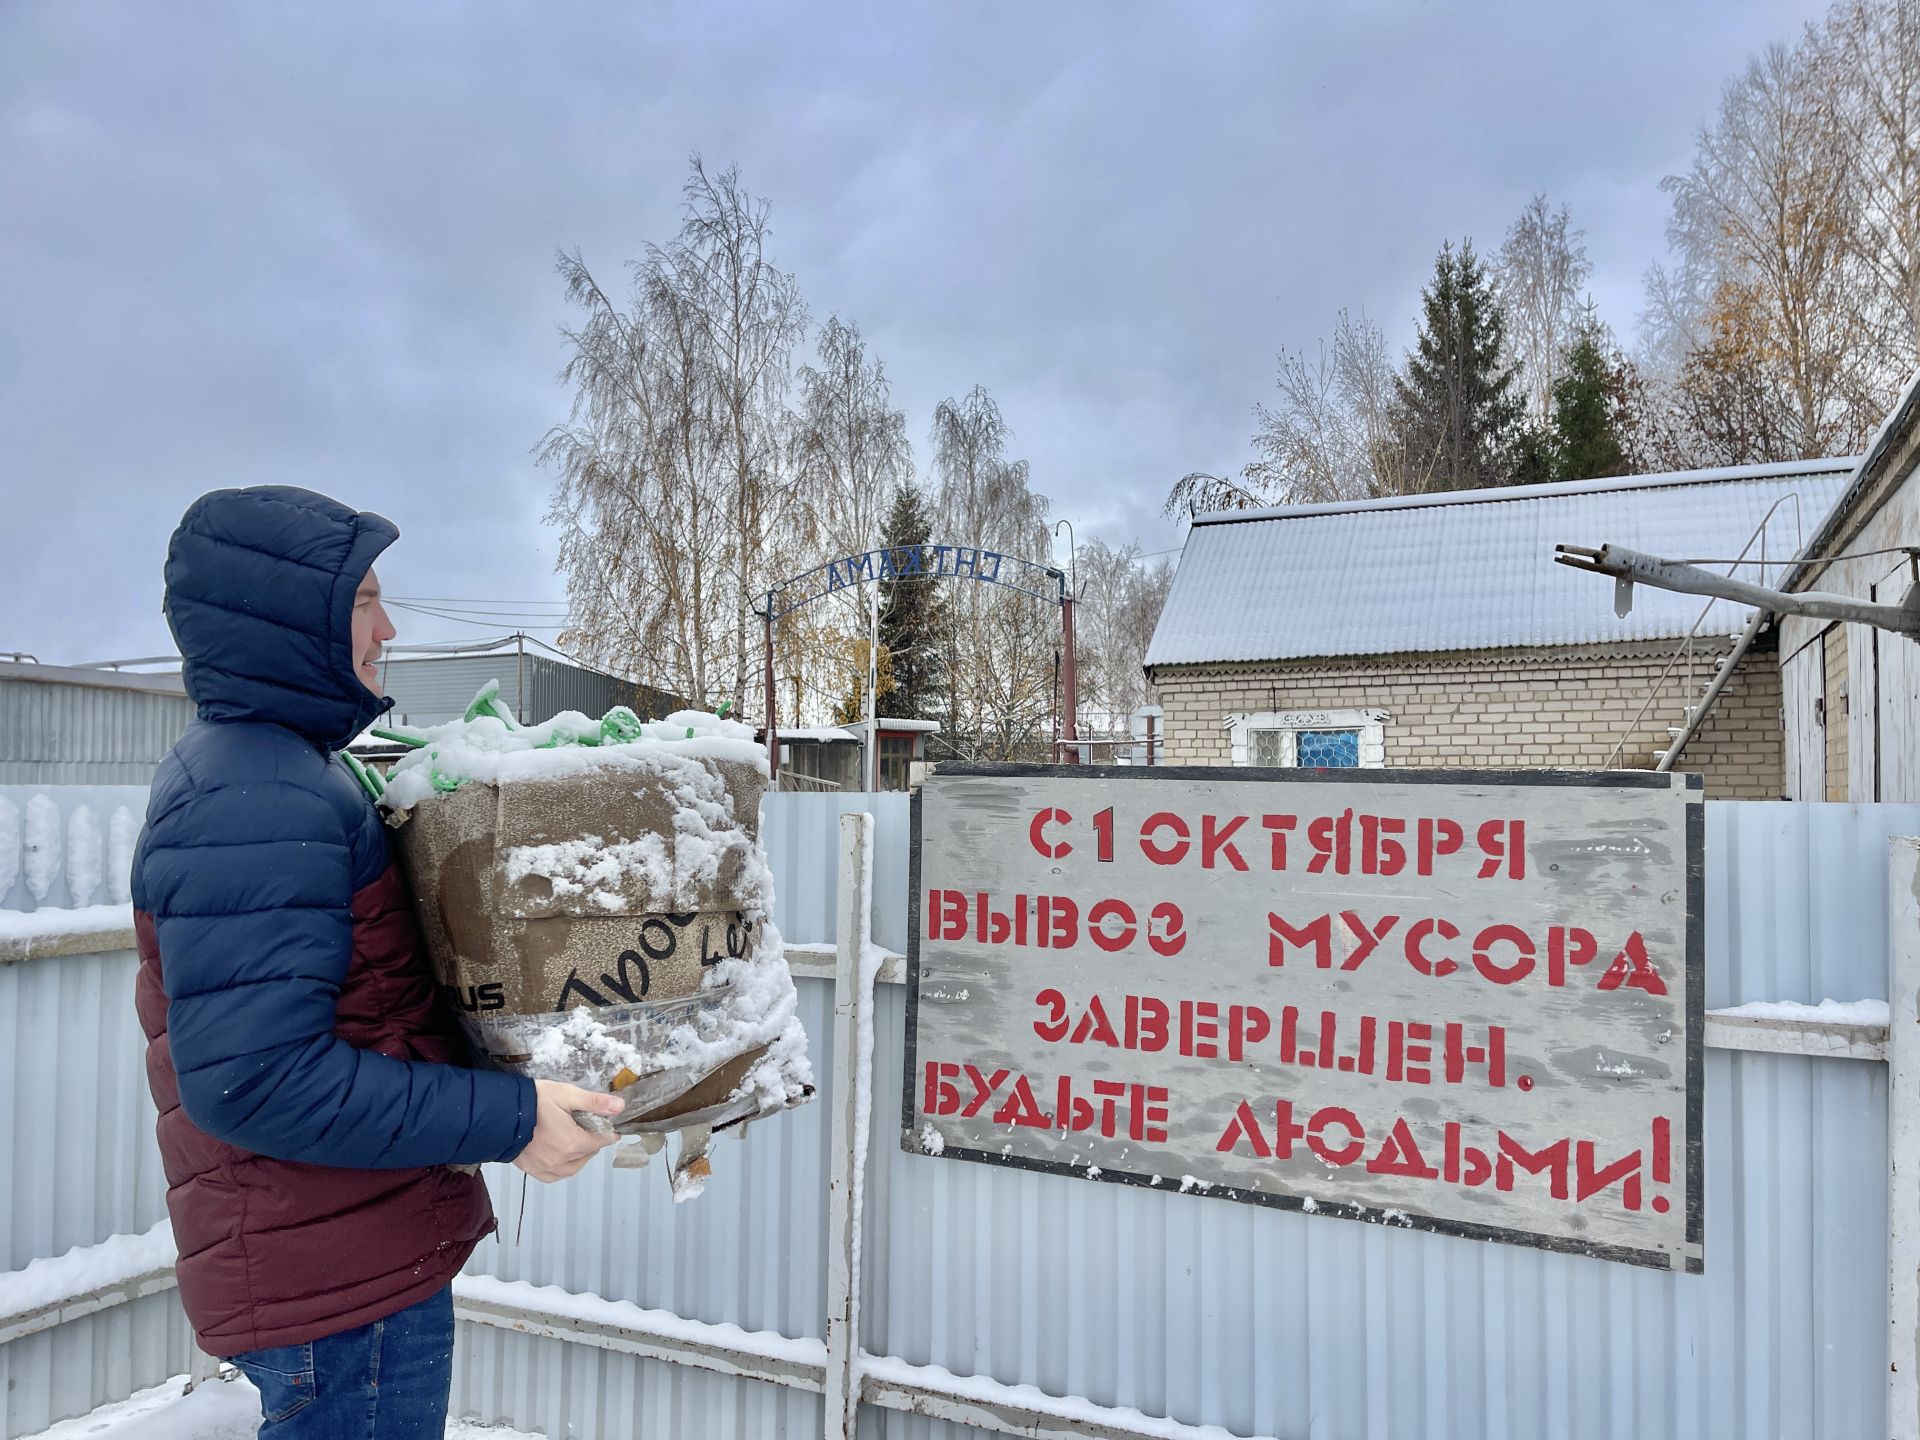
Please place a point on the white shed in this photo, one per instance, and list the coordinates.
(1852, 693)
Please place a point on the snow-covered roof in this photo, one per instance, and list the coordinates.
(926, 727)
(94, 677)
(480, 649)
(820, 734)
(1474, 569)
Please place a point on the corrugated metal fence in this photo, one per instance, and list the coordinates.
(1260, 1321)
(76, 1129)
(79, 734)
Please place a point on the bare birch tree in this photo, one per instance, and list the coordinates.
(853, 451)
(1120, 599)
(673, 492)
(1000, 674)
(1328, 436)
(851, 454)
(1867, 57)
(1762, 219)
(1540, 272)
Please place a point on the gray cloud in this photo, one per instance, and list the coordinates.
(314, 246)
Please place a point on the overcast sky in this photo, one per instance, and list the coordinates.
(314, 244)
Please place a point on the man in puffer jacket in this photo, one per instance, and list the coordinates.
(311, 1083)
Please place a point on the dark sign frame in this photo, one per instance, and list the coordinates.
(1695, 995)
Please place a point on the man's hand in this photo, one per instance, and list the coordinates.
(560, 1144)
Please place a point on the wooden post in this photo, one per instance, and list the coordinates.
(851, 1099)
(1903, 1140)
(1150, 740)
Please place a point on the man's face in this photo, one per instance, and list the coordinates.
(371, 630)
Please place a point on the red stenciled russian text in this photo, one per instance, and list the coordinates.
(1411, 1052)
(1112, 1109)
(1055, 922)
(1350, 843)
(1569, 1169)
(1500, 954)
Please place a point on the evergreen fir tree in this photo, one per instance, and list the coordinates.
(914, 634)
(1458, 411)
(1532, 458)
(1586, 438)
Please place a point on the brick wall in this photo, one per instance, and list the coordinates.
(1523, 709)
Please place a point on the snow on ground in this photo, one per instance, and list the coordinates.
(216, 1410)
(1827, 1012)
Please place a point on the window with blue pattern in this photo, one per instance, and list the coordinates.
(1327, 749)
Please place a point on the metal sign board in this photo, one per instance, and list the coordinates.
(1460, 1001)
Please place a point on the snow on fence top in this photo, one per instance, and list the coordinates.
(66, 859)
(1474, 570)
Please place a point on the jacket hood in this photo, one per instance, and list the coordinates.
(260, 585)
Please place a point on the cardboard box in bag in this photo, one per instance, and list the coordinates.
(538, 896)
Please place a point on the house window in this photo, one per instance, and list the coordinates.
(896, 757)
(1311, 739)
(1327, 749)
(1267, 747)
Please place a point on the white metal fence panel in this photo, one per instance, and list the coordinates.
(65, 1372)
(69, 834)
(76, 1140)
(749, 1252)
(801, 833)
(1272, 1323)
(1263, 1322)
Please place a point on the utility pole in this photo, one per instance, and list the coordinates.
(873, 689)
(1631, 567)
(773, 735)
(1070, 677)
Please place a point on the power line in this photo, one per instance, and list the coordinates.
(501, 614)
(466, 600)
(468, 620)
(1910, 551)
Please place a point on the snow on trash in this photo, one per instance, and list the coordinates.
(597, 902)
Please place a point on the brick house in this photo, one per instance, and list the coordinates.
(1436, 630)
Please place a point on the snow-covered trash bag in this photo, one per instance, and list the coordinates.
(597, 904)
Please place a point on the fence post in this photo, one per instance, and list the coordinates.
(1903, 1139)
(201, 1367)
(852, 1064)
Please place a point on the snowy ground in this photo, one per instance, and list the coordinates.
(217, 1410)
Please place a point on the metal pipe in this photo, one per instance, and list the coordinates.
(873, 693)
(773, 734)
(1070, 725)
(1070, 717)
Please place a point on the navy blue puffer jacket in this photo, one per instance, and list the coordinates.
(306, 1069)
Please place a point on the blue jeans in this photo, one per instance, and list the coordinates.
(386, 1381)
